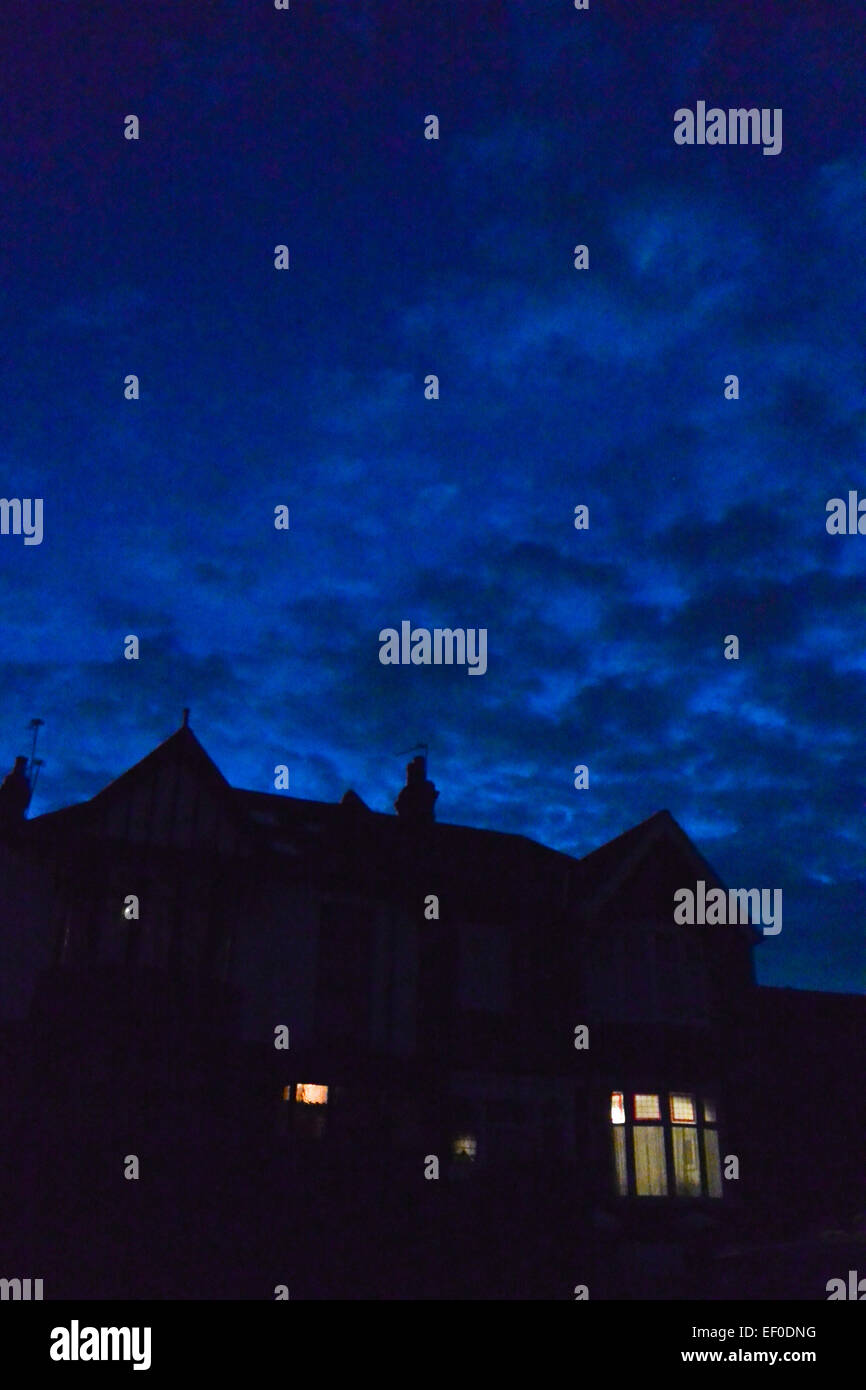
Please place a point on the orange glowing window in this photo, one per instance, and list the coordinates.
(682, 1109)
(287, 1093)
(647, 1108)
(617, 1109)
(307, 1094)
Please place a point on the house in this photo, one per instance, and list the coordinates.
(429, 1060)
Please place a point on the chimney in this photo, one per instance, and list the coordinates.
(15, 794)
(414, 805)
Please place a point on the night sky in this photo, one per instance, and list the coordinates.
(558, 387)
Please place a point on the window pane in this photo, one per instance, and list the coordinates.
(647, 1108)
(306, 1094)
(617, 1110)
(682, 1109)
(650, 1171)
(710, 1112)
(619, 1159)
(687, 1167)
(714, 1167)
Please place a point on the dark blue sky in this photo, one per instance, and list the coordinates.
(558, 387)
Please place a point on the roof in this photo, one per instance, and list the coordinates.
(373, 844)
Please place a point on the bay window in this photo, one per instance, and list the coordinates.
(665, 1144)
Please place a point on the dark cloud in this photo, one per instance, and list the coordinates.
(557, 388)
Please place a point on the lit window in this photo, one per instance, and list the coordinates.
(650, 1169)
(713, 1164)
(647, 1108)
(465, 1146)
(687, 1165)
(619, 1160)
(287, 1093)
(683, 1135)
(682, 1109)
(306, 1094)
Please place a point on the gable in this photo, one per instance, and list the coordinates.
(654, 865)
(176, 797)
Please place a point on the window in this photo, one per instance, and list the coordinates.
(650, 1170)
(684, 1140)
(309, 1112)
(620, 1159)
(682, 1110)
(665, 1145)
(646, 1108)
(306, 1094)
(465, 1146)
(712, 1162)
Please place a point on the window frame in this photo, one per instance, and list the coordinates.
(701, 1099)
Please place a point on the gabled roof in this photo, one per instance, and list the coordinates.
(357, 837)
(182, 747)
(605, 869)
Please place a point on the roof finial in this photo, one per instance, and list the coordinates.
(186, 719)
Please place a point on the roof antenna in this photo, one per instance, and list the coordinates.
(37, 763)
(414, 749)
(34, 763)
(35, 725)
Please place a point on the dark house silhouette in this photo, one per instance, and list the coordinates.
(608, 1099)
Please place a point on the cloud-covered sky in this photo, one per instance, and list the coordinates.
(558, 387)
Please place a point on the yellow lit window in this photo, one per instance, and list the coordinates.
(647, 1108)
(617, 1109)
(465, 1146)
(709, 1112)
(650, 1168)
(619, 1160)
(687, 1165)
(308, 1094)
(682, 1109)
